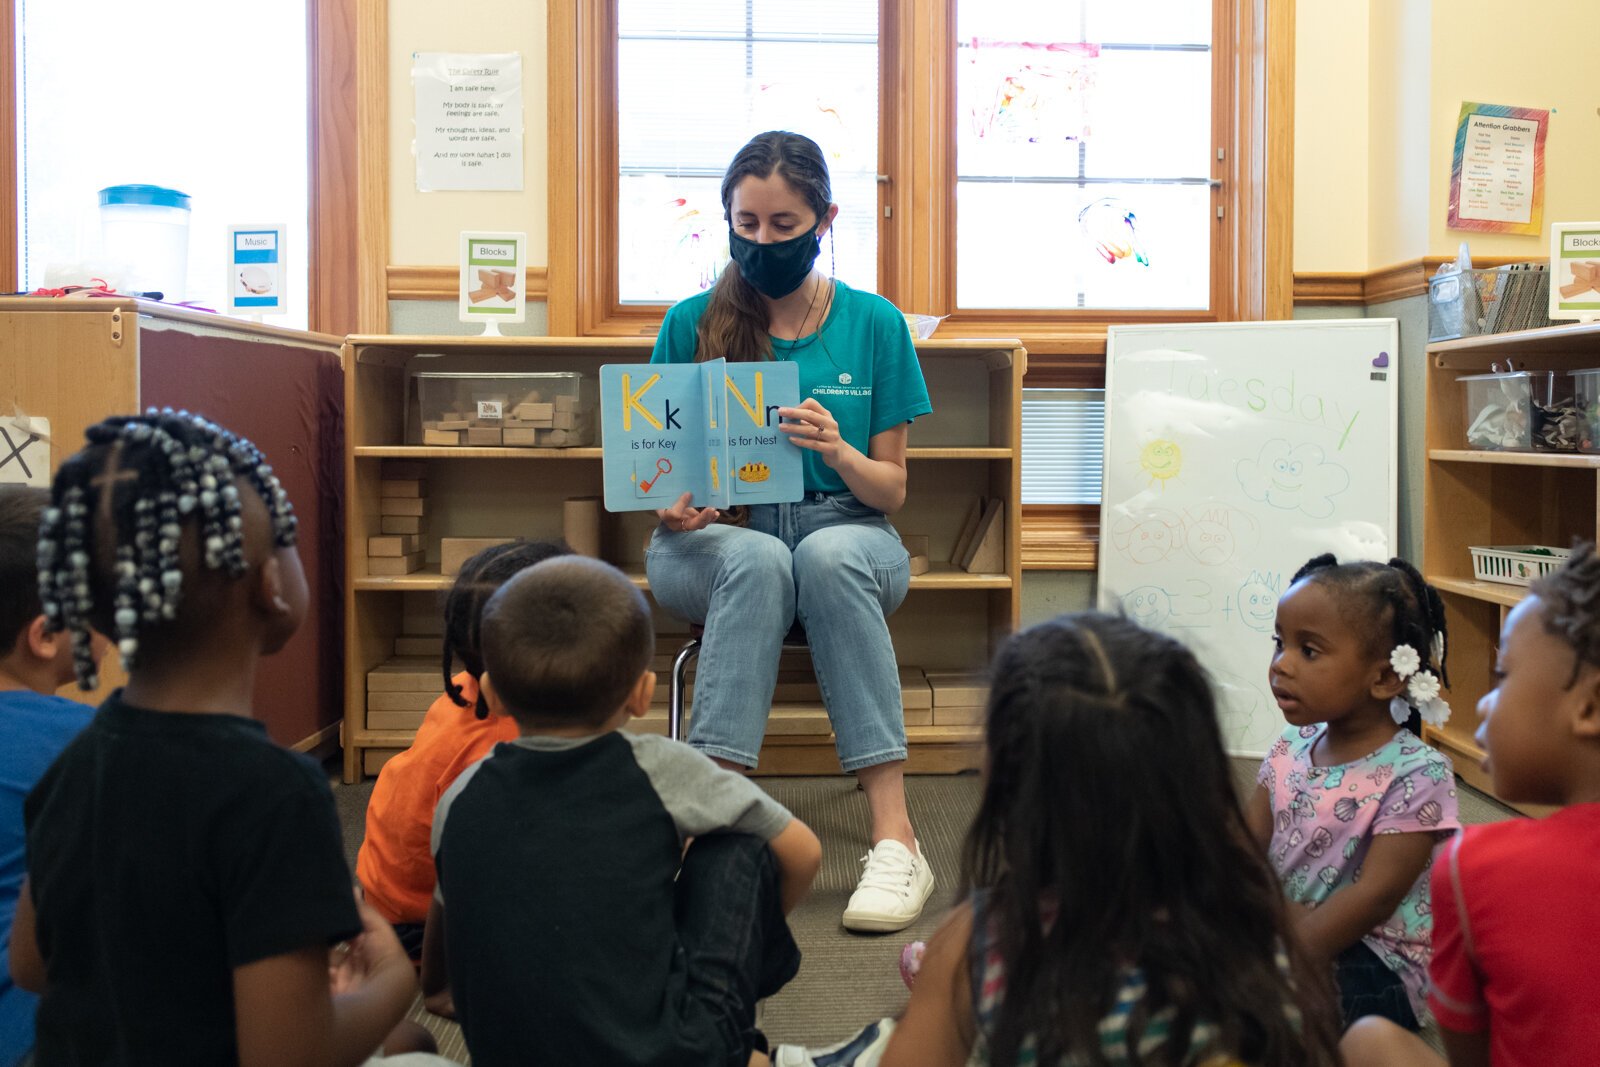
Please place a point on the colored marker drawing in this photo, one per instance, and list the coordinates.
(1257, 600)
(1162, 460)
(1147, 536)
(1216, 533)
(1293, 478)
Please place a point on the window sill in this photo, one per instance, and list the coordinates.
(1060, 537)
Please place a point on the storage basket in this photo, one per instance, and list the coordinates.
(1515, 564)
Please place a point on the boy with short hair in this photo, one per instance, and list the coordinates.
(573, 935)
(36, 723)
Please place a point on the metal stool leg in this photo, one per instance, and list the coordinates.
(675, 693)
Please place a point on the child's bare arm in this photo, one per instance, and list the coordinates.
(26, 963)
(1464, 1049)
(799, 856)
(286, 1015)
(1258, 816)
(1390, 870)
(435, 968)
(937, 1029)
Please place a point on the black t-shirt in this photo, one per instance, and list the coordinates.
(164, 850)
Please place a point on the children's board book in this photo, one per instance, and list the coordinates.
(709, 429)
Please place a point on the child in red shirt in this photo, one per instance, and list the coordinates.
(1514, 969)
(395, 864)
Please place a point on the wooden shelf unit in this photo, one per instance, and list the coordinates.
(1494, 498)
(952, 620)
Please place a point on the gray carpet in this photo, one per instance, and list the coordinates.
(847, 980)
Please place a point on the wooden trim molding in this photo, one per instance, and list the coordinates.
(443, 283)
(1060, 537)
(372, 167)
(333, 300)
(1394, 282)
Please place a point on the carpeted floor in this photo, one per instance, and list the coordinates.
(846, 980)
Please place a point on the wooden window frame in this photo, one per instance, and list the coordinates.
(332, 101)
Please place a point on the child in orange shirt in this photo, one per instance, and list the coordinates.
(395, 864)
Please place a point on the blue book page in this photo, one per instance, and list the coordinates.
(762, 467)
(653, 434)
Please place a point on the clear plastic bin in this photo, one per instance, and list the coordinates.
(1523, 411)
(1586, 397)
(507, 409)
(144, 230)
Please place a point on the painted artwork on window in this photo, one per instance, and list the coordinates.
(1110, 226)
(1026, 92)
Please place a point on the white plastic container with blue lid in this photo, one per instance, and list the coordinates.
(144, 230)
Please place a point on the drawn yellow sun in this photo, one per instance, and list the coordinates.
(1162, 460)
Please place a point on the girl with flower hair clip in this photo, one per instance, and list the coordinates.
(1350, 804)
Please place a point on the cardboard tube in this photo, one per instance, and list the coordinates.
(580, 524)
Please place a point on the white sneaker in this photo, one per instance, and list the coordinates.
(892, 890)
(863, 1050)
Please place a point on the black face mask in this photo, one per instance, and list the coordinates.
(777, 269)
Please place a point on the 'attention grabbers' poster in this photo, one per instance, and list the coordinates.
(1497, 172)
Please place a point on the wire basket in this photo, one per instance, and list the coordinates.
(1515, 564)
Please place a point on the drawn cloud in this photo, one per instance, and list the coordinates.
(1293, 478)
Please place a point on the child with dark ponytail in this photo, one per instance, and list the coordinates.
(395, 864)
(1350, 803)
(185, 875)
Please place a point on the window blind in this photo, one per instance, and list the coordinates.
(1063, 438)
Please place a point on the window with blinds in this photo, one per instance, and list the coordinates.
(696, 79)
(1063, 439)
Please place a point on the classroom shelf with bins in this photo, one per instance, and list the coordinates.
(952, 620)
(1494, 498)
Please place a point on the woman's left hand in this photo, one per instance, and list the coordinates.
(810, 426)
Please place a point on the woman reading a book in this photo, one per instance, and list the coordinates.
(830, 561)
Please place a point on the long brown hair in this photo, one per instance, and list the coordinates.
(735, 324)
(1108, 792)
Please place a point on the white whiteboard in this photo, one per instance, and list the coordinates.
(1234, 452)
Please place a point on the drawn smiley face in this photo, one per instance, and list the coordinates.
(1148, 536)
(1161, 459)
(1258, 604)
(1148, 605)
(1287, 474)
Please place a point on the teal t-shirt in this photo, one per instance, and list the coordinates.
(860, 365)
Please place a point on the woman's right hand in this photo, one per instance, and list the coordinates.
(681, 517)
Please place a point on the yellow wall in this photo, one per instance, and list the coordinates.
(1409, 65)
(1331, 153)
(425, 228)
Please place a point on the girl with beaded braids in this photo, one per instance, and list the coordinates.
(1113, 907)
(1350, 804)
(185, 875)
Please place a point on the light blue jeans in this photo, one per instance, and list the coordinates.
(828, 560)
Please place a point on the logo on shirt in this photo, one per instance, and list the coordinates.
(844, 379)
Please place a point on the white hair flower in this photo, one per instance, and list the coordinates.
(1434, 711)
(1404, 660)
(1438, 646)
(1423, 687)
(1399, 711)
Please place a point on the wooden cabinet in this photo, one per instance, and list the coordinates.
(1494, 498)
(77, 361)
(951, 620)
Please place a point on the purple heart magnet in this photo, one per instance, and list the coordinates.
(1382, 360)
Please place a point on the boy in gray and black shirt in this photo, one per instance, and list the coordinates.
(578, 929)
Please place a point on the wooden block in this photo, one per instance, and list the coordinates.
(519, 437)
(401, 701)
(399, 505)
(580, 525)
(533, 396)
(919, 716)
(799, 689)
(987, 555)
(920, 565)
(566, 401)
(663, 693)
(453, 425)
(406, 674)
(652, 723)
(969, 526)
(392, 566)
(959, 716)
(410, 488)
(401, 524)
(534, 412)
(915, 692)
(484, 436)
(373, 759)
(406, 645)
(395, 720)
(958, 689)
(555, 438)
(454, 551)
(916, 544)
(796, 720)
(403, 469)
(394, 545)
(441, 437)
(565, 420)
